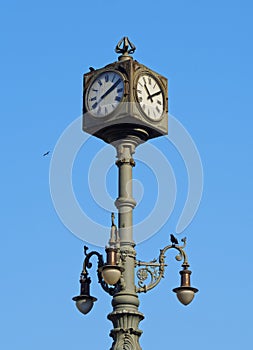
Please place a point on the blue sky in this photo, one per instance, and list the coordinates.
(205, 50)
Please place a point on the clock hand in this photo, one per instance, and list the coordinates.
(106, 93)
(149, 96)
(110, 90)
(153, 95)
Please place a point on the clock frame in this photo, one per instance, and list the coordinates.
(128, 118)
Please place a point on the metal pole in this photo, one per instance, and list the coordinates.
(125, 316)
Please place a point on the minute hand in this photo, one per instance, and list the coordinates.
(111, 89)
(155, 94)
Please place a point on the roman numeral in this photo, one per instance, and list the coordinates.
(140, 83)
(106, 111)
(120, 90)
(94, 90)
(118, 98)
(140, 99)
(93, 98)
(94, 105)
(149, 81)
(159, 102)
(106, 78)
(157, 108)
(99, 82)
(145, 82)
(139, 91)
(113, 78)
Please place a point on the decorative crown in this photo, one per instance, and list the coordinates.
(125, 47)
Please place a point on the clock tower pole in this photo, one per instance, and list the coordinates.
(125, 316)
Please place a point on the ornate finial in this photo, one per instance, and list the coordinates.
(114, 235)
(125, 47)
(113, 217)
(85, 248)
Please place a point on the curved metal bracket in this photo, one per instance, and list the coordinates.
(87, 265)
(155, 270)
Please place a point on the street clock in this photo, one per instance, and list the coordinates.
(125, 104)
(125, 98)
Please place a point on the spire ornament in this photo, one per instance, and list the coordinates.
(125, 47)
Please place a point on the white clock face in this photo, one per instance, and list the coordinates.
(150, 97)
(105, 93)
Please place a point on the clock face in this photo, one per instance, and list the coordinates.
(105, 93)
(150, 96)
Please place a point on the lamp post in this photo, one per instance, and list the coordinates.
(118, 273)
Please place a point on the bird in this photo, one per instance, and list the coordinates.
(173, 239)
(91, 69)
(45, 154)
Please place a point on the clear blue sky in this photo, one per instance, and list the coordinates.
(205, 50)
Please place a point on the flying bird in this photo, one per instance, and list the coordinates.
(45, 154)
(173, 239)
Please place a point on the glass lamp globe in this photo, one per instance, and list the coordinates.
(111, 274)
(185, 294)
(84, 303)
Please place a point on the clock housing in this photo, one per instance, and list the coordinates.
(128, 117)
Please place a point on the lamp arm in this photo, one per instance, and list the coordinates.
(156, 270)
(87, 265)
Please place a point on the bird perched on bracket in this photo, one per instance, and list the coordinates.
(173, 239)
